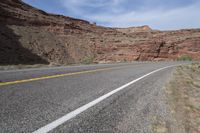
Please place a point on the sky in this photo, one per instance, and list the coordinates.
(158, 14)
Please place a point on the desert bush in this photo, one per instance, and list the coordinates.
(185, 58)
(87, 60)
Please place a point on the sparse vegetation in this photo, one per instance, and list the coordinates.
(125, 60)
(88, 60)
(185, 58)
(183, 94)
(159, 126)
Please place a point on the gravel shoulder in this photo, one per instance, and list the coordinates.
(182, 95)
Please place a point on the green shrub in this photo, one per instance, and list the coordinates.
(185, 58)
(87, 60)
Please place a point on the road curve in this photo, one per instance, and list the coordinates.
(31, 99)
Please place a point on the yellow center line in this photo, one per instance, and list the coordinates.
(56, 76)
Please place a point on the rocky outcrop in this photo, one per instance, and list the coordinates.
(29, 35)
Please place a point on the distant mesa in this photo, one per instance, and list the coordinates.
(144, 28)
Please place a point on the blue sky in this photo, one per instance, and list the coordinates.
(158, 14)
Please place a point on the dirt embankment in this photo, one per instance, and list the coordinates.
(30, 36)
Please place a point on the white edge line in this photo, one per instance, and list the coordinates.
(81, 109)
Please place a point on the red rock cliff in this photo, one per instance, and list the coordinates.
(29, 36)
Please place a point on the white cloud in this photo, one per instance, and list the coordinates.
(118, 16)
(79, 7)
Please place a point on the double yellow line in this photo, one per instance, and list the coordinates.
(56, 76)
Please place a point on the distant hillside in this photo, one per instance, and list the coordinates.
(30, 36)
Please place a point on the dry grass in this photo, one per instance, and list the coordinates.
(183, 93)
(159, 126)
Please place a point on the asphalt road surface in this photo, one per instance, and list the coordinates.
(87, 98)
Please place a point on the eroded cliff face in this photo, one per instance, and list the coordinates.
(29, 35)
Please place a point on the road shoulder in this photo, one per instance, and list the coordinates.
(183, 100)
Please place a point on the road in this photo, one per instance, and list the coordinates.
(37, 99)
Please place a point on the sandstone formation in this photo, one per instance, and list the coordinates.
(29, 35)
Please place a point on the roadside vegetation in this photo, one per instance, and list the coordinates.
(183, 95)
(185, 58)
(88, 60)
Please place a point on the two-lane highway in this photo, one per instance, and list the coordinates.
(93, 98)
